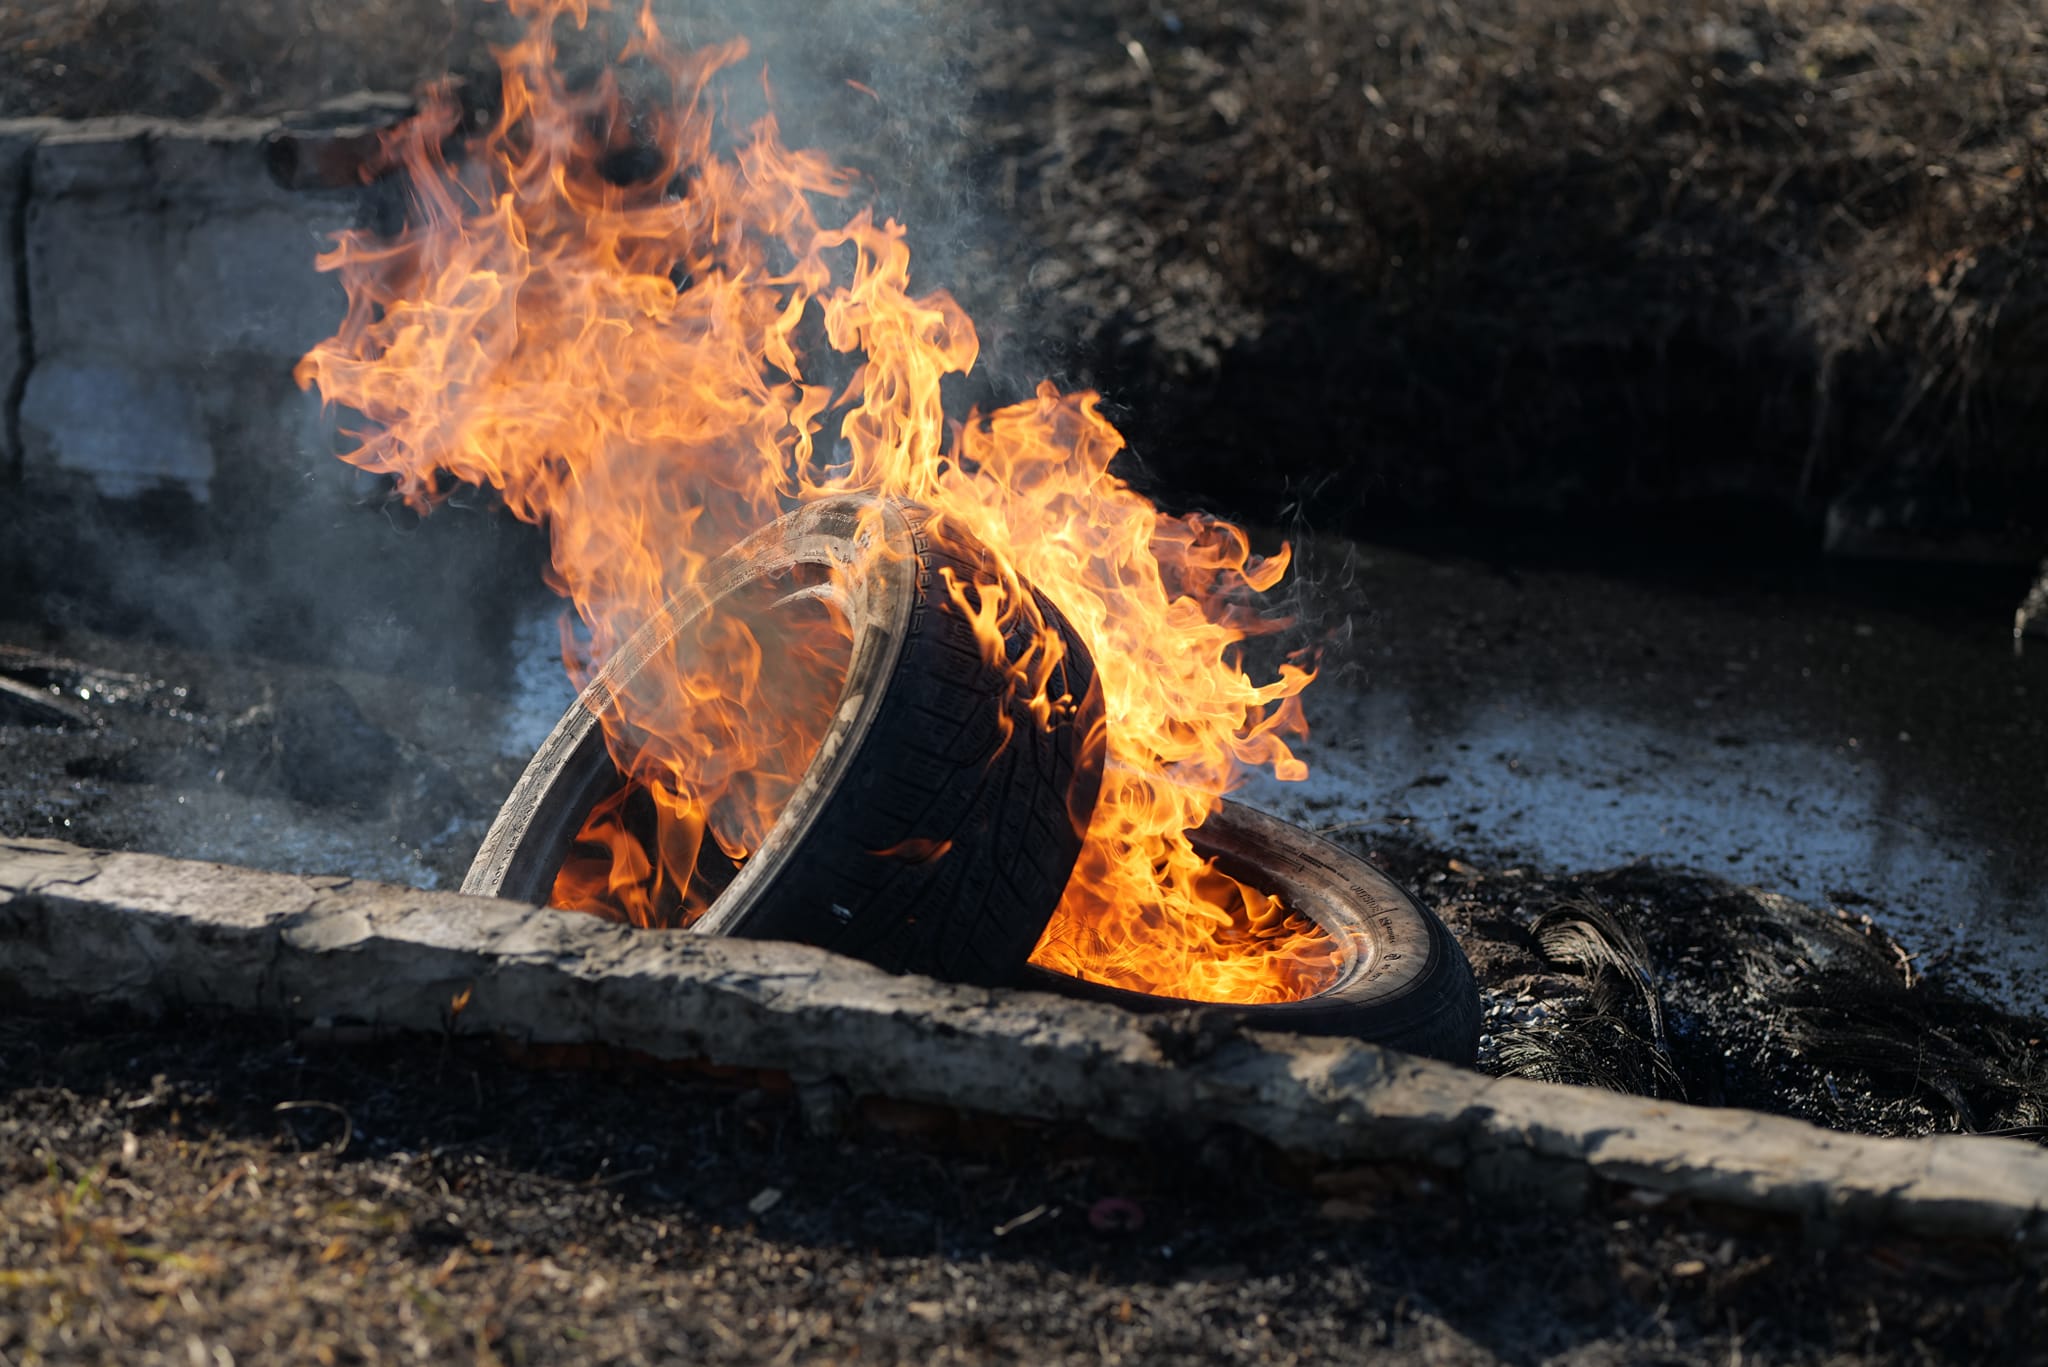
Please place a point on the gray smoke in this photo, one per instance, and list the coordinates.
(885, 88)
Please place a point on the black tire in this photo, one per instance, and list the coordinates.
(1402, 980)
(914, 761)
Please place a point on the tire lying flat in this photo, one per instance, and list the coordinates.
(1402, 980)
(936, 827)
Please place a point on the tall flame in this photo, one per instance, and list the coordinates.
(640, 363)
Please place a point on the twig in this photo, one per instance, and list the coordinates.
(1011, 1226)
(246, 1168)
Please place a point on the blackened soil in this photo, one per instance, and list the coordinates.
(165, 1187)
(246, 760)
(1665, 983)
(173, 1192)
(1644, 979)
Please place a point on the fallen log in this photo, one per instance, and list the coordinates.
(83, 929)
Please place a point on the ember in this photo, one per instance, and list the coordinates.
(654, 369)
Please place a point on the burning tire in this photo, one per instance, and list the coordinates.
(1401, 979)
(938, 820)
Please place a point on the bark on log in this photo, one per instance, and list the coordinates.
(83, 929)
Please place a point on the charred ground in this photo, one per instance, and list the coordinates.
(280, 1197)
(565, 1207)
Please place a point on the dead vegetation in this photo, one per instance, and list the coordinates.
(1532, 254)
(1545, 254)
(201, 1193)
(86, 58)
(1662, 983)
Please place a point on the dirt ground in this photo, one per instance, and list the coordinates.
(209, 1192)
(162, 1186)
(1865, 1007)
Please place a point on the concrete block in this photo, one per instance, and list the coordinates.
(131, 431)
(171, 287)
(245, 282)
(85, 929)
(157, 286)
(130, 155)
(177, 269)
(96, 277)
(338, 145)
(223, 161)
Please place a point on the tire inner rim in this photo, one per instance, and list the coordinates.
(644, 855)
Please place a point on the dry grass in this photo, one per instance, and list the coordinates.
(1548, 252)
(184, 1195)
(79, 58)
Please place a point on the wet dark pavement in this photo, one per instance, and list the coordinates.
(1861, 737)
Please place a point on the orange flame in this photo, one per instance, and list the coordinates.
(625, 359)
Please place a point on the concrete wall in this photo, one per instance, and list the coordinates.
(17, 144)
(159, 468)
(159, 288)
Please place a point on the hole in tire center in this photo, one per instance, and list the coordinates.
(726, 722)
(1270, 950)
